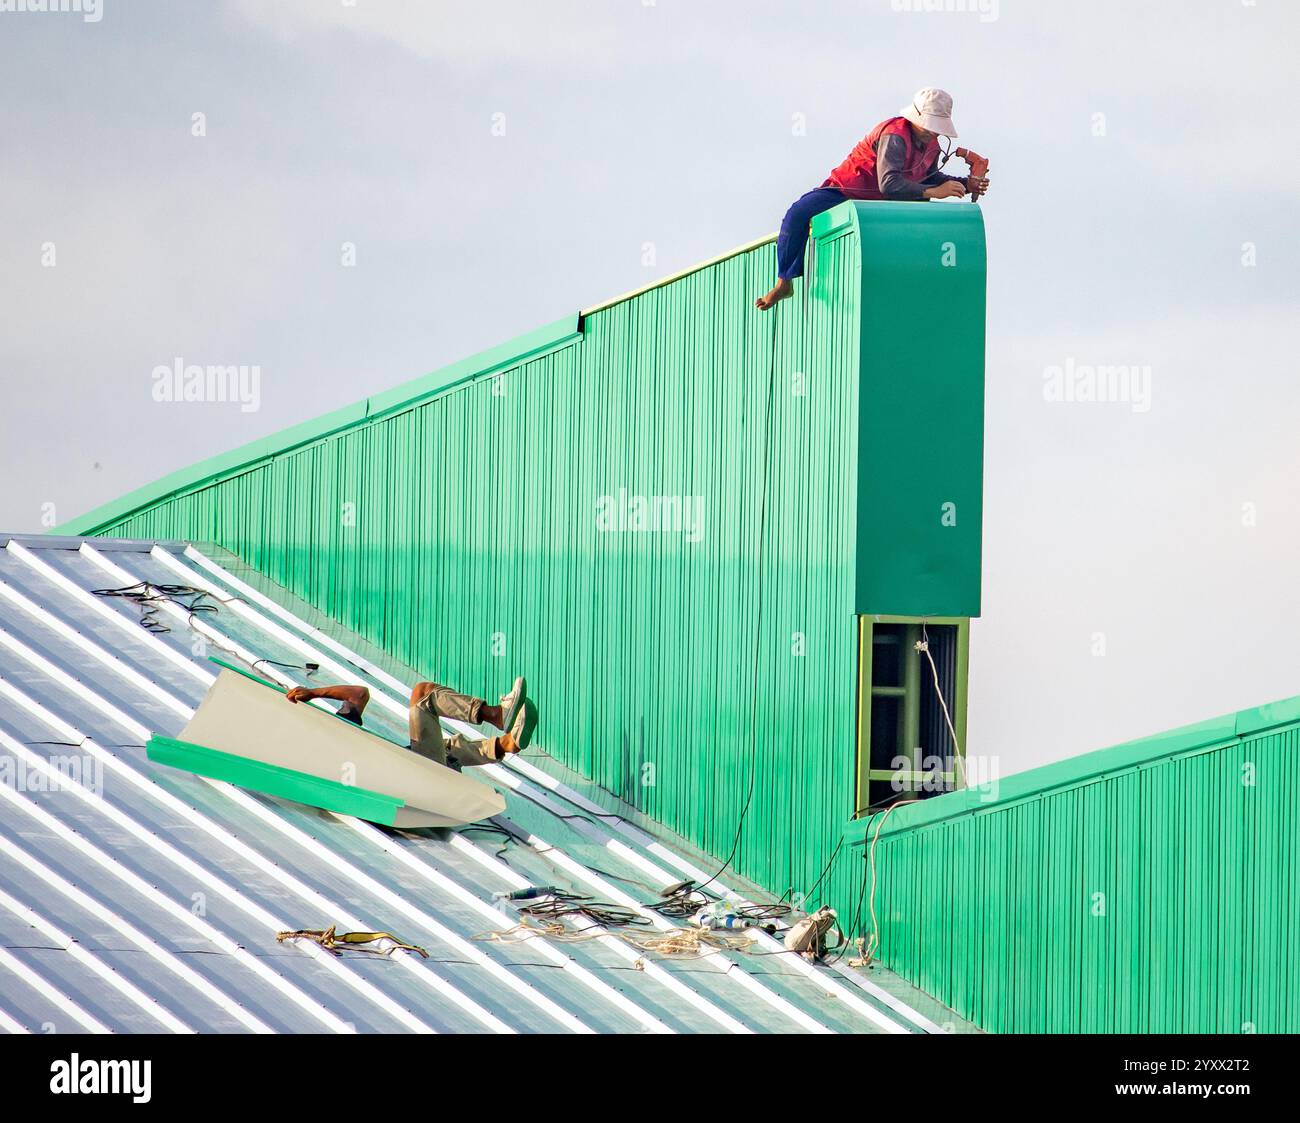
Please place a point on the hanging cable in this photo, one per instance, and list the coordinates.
(758, 626)
(873, 941)
(923, 646)
(825, 870)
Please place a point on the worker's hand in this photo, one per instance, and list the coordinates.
(952, 189)
(299, 694)
(977, 185)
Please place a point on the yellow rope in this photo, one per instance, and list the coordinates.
(335, 943)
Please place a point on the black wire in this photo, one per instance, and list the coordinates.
(882, 803)
(487, 828)
(307, 668)
(558, 904)
(149, 597)
(862, 896)
(825, 870)
(773, 910)
(685, 901)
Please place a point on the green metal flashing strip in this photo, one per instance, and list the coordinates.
(663, 281)
(561, 333)
(1216, 733)
(270, 779)
(1260, 718)
(247, 674)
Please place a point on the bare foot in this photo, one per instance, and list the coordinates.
(783, 288)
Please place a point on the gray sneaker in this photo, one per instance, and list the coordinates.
(510, 703)
(524, 725)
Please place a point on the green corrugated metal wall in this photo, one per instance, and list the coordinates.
(459, 531)
(1152, 888)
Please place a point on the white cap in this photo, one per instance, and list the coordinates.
(931, 109)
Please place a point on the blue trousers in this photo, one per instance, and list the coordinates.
(793, 239)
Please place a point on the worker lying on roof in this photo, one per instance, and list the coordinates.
(515, 714)
(898, 159)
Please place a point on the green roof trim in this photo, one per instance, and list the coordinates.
(561, 333)
(1214, 733)
(271, 779)
(247, 674)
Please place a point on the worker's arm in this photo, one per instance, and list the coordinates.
(891, 156)
(354, 698)
(937, 178)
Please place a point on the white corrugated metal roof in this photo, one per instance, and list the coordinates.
(135, 897)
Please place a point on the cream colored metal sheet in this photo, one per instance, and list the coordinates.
(245, 718)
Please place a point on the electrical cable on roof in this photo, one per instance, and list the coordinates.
(306, 668)
(543, 851)
(488, 828)
(560, 903)
(150, 596)
(679, 901)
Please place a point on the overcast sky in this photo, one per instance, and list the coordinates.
(1143, 212)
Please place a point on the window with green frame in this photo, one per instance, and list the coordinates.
(905, 748)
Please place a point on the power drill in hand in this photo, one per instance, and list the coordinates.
(979, 168)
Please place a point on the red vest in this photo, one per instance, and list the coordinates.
(856, 177)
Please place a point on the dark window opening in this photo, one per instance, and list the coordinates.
(911, 750)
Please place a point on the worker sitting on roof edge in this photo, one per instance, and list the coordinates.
(515, 714)
(898, 159)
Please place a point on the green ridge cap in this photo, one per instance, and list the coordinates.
(271, 779)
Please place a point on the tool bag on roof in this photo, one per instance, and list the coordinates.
(808, 937)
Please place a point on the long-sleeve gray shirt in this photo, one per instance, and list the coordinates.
(891, 160)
